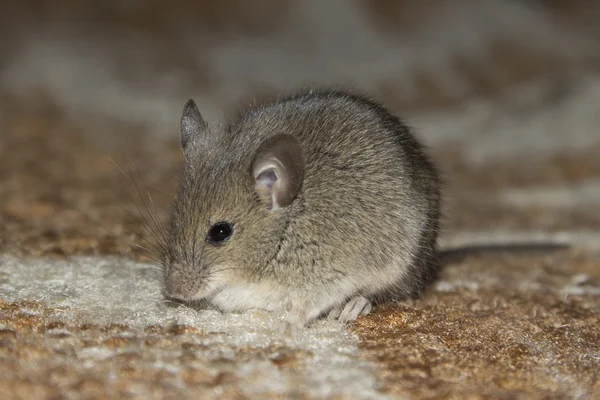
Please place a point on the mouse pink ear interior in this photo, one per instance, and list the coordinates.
(193, 126)
(278, 171)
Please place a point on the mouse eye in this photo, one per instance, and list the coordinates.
(219, 233)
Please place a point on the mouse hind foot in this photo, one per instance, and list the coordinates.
(354, 308)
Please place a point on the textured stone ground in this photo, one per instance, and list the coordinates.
(514, 313)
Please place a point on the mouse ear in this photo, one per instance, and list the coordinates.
(193, 126)
(278, 171)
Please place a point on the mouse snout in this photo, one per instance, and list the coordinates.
(181, 283)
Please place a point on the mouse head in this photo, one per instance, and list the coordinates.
(228, 218)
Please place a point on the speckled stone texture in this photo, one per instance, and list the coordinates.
(89, 158)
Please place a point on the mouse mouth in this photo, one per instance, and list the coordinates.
(207, 291)
(204, 293)
(183, 286)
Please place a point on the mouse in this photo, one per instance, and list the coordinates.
(318, 204)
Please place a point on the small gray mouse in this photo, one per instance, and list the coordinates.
(320, 203)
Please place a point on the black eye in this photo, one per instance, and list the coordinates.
(219, 233)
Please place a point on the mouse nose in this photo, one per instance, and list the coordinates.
(181, 284)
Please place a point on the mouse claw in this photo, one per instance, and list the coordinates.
(292, 323)
(335, 312)
(354, 308)
(287, 328)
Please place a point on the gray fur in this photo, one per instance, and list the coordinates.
(364, 222)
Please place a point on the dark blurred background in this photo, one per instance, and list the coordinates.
(136, 61)
(488, 85)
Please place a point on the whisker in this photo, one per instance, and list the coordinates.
(159, 245)
(212, 272)
(128, 177)
(195, 255)
(156, 228)
(156, 259)
(168, 301)
(119, 168)
(107, 232)
(154, 216)
(160, 224)
(144, 223)
(137, 188)
(159, 236)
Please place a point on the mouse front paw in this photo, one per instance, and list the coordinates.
(292, 324)
(287, 328)
(351, 310)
